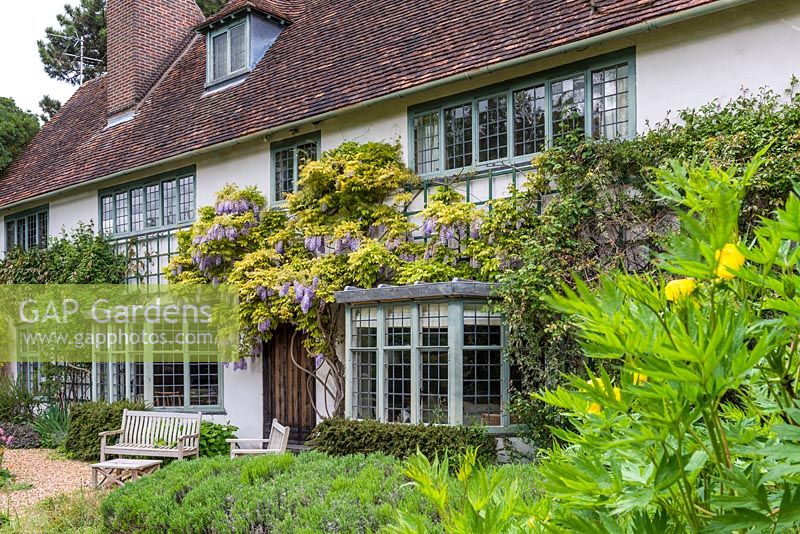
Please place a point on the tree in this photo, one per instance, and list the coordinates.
(60, 50)
(17, 128)
(49, 107)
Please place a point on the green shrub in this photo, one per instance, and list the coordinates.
(259, 472)
(272, 493)
(339, 437)
(213, 436)
(87, 420)
(17, 404)
(52, 426)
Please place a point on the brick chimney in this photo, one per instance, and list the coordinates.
(144, 38)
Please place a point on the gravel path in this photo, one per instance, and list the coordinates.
(46, 472)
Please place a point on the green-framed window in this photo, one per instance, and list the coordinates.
(228, 51)
(511, 122)
(27, 229)
(436, 362)
(168, 376)
(143, 218)
(288, 157)
(166, 201)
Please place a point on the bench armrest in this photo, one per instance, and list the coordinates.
(110, 433)
(188, 436)
(247, 440)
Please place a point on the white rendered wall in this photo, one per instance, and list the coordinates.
(715, 57)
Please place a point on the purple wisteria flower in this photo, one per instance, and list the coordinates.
(315, 244)
(307, 301)
(241, 365)
(284, 290)
(428, 227)
(319, 359)
(279, 248)
(264, 325)
(263, 293)
(347, 243)
(446, 233)
(475, 229)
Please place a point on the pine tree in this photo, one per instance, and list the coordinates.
(60, 50)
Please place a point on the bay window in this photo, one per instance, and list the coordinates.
(519, 119)
(428, 353)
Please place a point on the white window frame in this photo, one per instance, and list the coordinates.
(210, 80)
(21, 218)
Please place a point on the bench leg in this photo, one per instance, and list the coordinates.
(94, 477)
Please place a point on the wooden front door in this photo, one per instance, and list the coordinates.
(288, 391)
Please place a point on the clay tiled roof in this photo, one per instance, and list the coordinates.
(334, 54)
(283, 9)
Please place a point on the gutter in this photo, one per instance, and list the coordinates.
(628, 31)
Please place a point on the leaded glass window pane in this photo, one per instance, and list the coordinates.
(568, 97)
(169, 196)
(397, 361)
(168, 367)
(426, 143)
(529, 120)
(220, 55)
(20, 242)
(121, 212)
(493, 128)
(238, 47)
(204, 383)
(32, 232)
(284, 173)
(364, 332)
(458, 136)
(433, 324)
(482, 366)
(186, 198)
(10, 235)
(365, 391)
(137, 209)
(433, 386)
(107, 214)
(42, 222)
(153, 193)
(610, 102)
(434, 357)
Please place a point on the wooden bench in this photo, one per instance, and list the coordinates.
(276, 444)
(161, 434)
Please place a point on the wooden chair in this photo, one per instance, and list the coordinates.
(160, 434)
(276, 444)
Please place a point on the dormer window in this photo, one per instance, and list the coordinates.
(228, 53)
(236, 42)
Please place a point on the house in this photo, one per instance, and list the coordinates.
(244, 96)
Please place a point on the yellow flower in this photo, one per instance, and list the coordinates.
(675, 289)
(595, 407)
(639, 379)
(729, 260)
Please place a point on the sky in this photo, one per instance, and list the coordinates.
(22, 76)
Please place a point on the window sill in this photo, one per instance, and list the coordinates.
(226, 82)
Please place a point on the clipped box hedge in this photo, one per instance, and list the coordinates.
(87, 420)
(340, 437)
